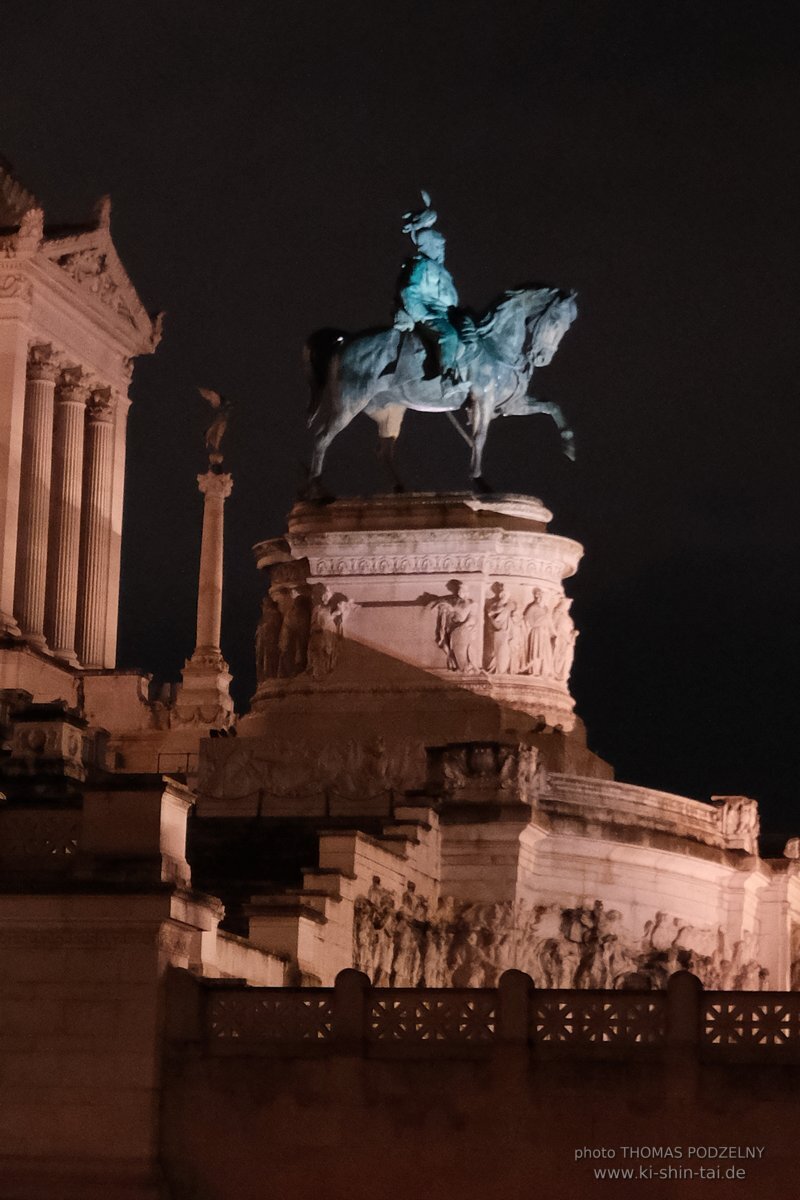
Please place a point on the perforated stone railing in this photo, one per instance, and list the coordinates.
(354, 1017)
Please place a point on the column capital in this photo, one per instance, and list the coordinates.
(216, 484)
(69, 389)
(43, 363)
(100, 406)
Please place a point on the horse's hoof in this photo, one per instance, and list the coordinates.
(314, 493)
(398, 489)
(480, 485)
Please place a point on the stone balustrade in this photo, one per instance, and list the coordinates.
(355, 1017)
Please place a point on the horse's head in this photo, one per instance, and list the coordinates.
(547, 324)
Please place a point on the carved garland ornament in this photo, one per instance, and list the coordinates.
(421, 564)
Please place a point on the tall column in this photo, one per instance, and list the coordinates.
(34, 508)
(216, 488)
(204, 696)
(121, 406)
(15, 303)
(65, 515)
(93, 575)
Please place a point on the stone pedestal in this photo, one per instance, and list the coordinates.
(441, 617)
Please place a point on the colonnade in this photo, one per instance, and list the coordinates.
(63, 585)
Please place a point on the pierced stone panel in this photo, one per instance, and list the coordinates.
(745, 1021)
(455, 1016)
(593, 1020)
(291, 1016)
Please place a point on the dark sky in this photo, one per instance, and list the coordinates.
(260, 155)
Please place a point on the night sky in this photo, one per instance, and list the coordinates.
(259, 157)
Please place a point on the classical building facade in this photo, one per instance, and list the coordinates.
(400, 902)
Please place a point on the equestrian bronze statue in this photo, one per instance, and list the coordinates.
(437, 357)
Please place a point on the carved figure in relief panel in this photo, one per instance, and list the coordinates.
(456, 626)
(326, 631)
(499, 629)
(564, 637)
(739, 821)
(267, 635)
(794, 982)
(538, 620)
(295, 611)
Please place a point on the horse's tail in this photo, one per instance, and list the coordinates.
(318, 352)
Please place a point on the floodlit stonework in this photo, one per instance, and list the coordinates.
(248, 954)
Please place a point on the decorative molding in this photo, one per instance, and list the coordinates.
(100, 406)
(70, 388)
(437, 564)
(43, 363)
(215, 485)
(14, 286)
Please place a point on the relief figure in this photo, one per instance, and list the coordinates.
(267, 635)
(564, 637)
(456, 625)
(539, 657)
(498, 632)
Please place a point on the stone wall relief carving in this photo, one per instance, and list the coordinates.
(500, 631)
(300, 630)
(553, 569)
(739, 822)
(485, 771)
(328, 617)
(456, 627)
(267, 636)
(418, 942)
(539, 632)
(564, 637)
(528, 639)
(90, 269)
(294, 606)
(284, 770)
(794, 981)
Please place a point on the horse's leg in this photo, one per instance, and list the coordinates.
(482, 407)
(324, 433)
(389, 421)
(552, 410)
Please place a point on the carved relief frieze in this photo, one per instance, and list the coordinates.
(431, 564)
(415, 942)
(537, 638)
(284, 770)
(90, 269)
(485, 771)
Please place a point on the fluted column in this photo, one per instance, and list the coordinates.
(216, 487)
(93, 575)
(65, 515)
(34, 509)
(204, 695)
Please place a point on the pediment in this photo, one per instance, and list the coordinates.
(90, 259)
